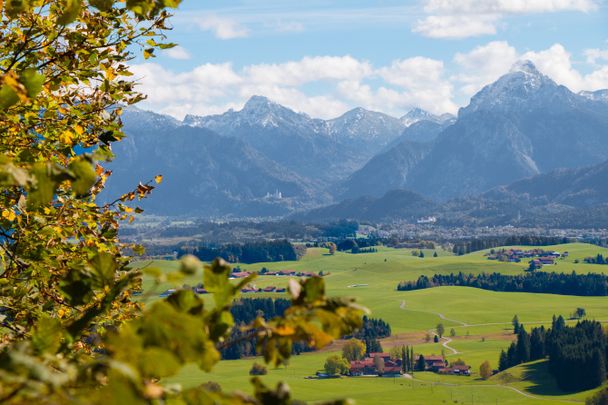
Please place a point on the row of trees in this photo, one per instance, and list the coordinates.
(373, 328)
(408, 359)
(599, 259)
(250, 252)
(474, 245)
(246, 310)
(590, 284)
(577, 355)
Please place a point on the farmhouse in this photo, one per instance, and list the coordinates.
(458, 369)
(376, 364)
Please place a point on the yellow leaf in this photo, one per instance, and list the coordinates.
(8, 215)
(79, 130)
(284, 330)
(158, 179)
(66, 137)
(110, 74)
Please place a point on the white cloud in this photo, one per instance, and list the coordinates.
(469, 18)
(327, 86)
(456, 26)
(594, 55)
(178, 52)
(309, 69)
(483, 65)
(508, 6)
(222, 27)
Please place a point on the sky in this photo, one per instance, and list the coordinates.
(324, 58)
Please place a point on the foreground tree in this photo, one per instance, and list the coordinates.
(70, 331)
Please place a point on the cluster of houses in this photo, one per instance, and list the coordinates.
(237, 273)
(539, 257)
(382, 364)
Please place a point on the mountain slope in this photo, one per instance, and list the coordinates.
(205, 174)
(401, 204)
(385, 171)
(582, 187)
(324, 150)
(521, 125)
(365, 126)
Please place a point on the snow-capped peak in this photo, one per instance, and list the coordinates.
(418, 114)
(524, 84)
(524, 66)
(598, 95)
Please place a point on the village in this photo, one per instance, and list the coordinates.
(539, 257)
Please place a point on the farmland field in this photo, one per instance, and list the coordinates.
(481, 320)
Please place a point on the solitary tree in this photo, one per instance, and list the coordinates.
(420, 363)
(485, 370)
(515, 323)
(331, 247)
(452, 332)
(440, 329)
(379, 364)
(436, 338)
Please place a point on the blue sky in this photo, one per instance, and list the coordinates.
(323, 57)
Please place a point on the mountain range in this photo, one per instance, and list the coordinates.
(523, 141)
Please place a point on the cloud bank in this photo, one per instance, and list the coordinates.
(327, 86)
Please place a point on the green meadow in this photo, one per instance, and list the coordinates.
(481, 320)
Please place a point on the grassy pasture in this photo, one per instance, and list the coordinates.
(481, 319)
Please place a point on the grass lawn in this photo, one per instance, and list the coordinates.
(481, 320)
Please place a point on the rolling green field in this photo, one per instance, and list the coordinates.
(481, 319)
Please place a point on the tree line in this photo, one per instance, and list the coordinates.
(536, 282)
(577, 355)
(250, 252)
(599, 259)
(473, 245)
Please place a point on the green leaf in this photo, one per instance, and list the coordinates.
(103, 5)
(15, 7)
(8, 97)
(70, 11)
(104, 269)
(41, 192)
(84, 175)
(156, 362)
(216, 282)
(33, 81)
(186, 301)
(190, 264)
(47, 335)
